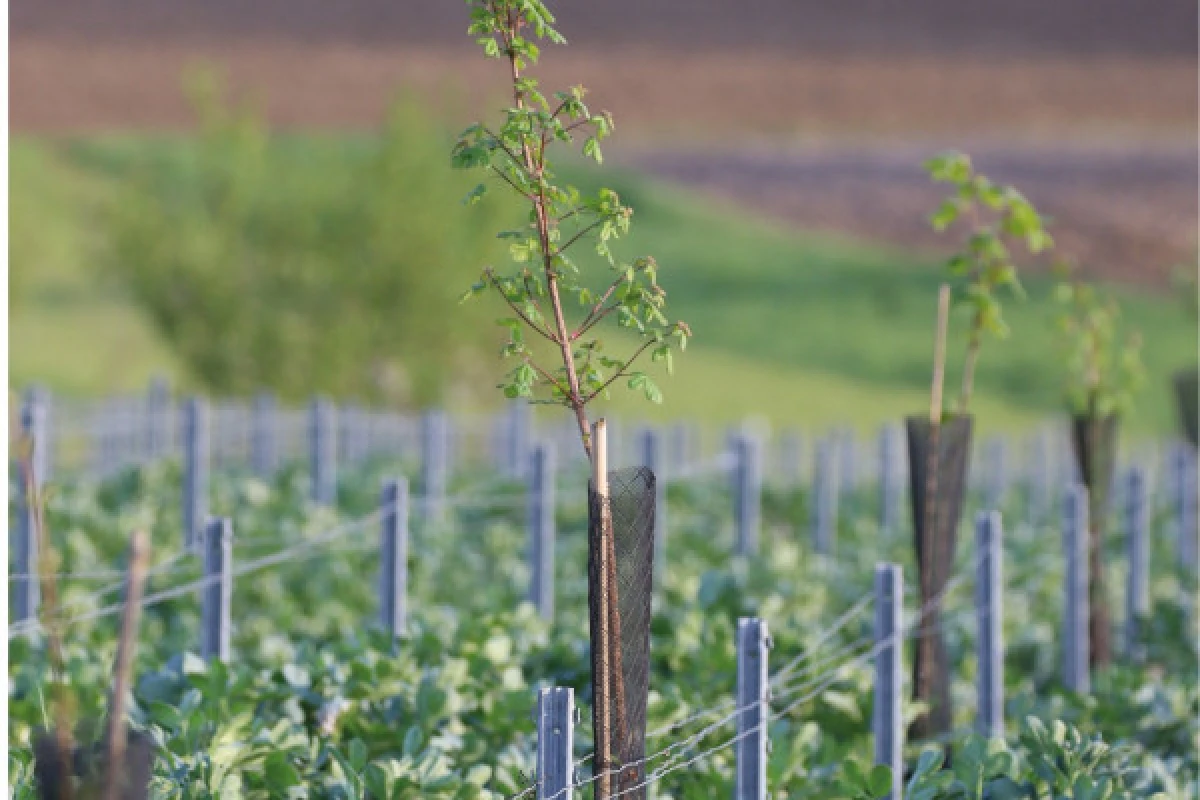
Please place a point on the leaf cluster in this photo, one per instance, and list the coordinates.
(1054, 760)
(993, 217)
(1103, 365)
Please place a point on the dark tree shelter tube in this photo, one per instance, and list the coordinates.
(939, 457)
(1094, 441)
(1186, 384)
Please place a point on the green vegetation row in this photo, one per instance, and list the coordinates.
(317, 702)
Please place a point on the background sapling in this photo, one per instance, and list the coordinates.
(1103, 362)
(1103, 368)
(983, 264)
(546, 283)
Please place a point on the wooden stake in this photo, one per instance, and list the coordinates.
(926, 567)
(602, 703)
(939, 355)
(139, 554)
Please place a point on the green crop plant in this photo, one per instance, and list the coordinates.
(995, 216)
(546, 274)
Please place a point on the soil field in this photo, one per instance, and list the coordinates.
(1122, 213)
(1005, 27)
(1094, 100)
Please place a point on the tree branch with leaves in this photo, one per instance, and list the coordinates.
(546, 290)
(983, 264)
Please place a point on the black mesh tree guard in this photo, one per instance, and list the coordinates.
(938, 459)
(621, 569)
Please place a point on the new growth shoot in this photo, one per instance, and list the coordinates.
(983, 264)
(555, 309)
(1103, 362)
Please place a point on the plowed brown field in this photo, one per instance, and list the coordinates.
(1038, 77)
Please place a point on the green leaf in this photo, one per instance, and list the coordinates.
(357, 752)
(412, 741)
(945, 215)
(279, 772)
(591, 149)
(879, 782)
(475, 195)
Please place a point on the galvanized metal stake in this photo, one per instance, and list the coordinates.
(215, 616)
(753, 714)
(322, 456)
(890, 488)
(393, 566)
(1137, 533)
(434, 467)
(517, 441)
(1183, 491)
(541, 529)
(555, 743)
(264, 448)
(1076, 642)
(824, 499)
(158, 418)
(747, 502)
(989, 611)
(195, 471)
(887, 721)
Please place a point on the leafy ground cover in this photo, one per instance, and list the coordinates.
(779, 314)
(316, 702)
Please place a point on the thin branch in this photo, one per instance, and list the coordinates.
(571, 213)
(579, 123)
(588, 321)
(587, 326)
(547, 377)
(508, 180)
(503, 146)
(562, 104)
(579, 235)
(621, 372)
(536, 328)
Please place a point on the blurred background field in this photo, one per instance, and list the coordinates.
(771, 154)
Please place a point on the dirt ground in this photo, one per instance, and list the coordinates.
(791, 27)
(1124, 213)
(815, 112)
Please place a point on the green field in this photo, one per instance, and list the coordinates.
(792, 326)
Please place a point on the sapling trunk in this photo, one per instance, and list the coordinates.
(968, 381)
(50, 613)
(114, 766)
(538, 199)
